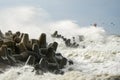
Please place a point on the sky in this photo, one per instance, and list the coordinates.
(106, 13)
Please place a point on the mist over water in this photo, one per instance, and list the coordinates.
(98, 60)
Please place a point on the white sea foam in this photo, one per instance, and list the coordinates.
(97, 61)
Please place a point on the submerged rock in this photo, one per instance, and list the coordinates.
(66, 41)
(55, 34)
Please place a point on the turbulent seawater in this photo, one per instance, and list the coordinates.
(99, 59)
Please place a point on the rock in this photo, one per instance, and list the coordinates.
(17, 48)
(25, 41)
(10, 56)
(16, 37)
(9, 43)
(1, 35)
(30, 60)
(17, 40)
(36, 50)
(50, 52)
(17, 57)
(81, 38)
(58, 36)
(18, 33)
(70, 62)
(43, 51)
(21, 35)
(3, 51)
(68, 43)
(18, 73)
(32, 41)
(74, 45)
(113, 78)
(52, 66)
(42, 41)
(42, 65)
(39, 72)
(73, 39)
(58, 72)
(10, 32)
(51, 59)
(1, 72)
(4, 56)
(64, 39)
(8, 35)
(20, 48)
(53, 45)
(61, 60)
(24, 56)
(39, 69)
(1, 42)
(55, 34)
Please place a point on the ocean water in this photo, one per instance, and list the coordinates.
(97, 57)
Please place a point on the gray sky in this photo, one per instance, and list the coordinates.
(105, 13)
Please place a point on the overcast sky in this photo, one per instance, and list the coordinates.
(105, 13)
